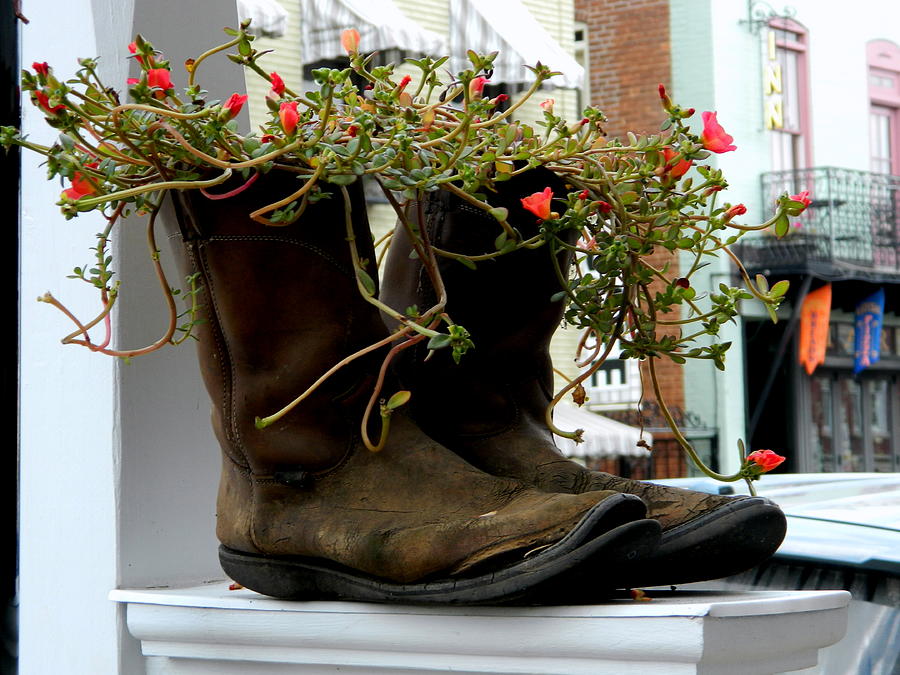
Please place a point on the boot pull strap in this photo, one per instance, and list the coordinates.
(187, 219)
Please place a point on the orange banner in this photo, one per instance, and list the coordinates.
(814, 316)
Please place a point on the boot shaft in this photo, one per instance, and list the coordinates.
(280, 307)
(505, 304)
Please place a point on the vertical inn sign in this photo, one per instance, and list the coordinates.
(772, 86)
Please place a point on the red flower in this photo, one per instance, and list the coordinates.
(539, 203)
(499, 98)
(714, 137)
(289, 116)
(277, 84)
(683, 282)
(42, 69)
(161, 79)
(766, 460)
(350, 40)
(80, 185)
(133, 49)
(476, 86)
(267, 138)
(131, 81)
(605, 207)
(351, 130)
(664, 97)
(679, 168)
(583, 195)
(43, 102)
(736, 210)
(234, 104)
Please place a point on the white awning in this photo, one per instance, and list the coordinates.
(269, 19)
(603, 437)
(508, 27)
(380, 23)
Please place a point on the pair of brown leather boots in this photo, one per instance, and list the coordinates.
(469, 501)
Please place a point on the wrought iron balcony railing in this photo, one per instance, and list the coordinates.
(850, 231)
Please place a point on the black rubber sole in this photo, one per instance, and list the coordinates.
(609, 531)
(727, 541)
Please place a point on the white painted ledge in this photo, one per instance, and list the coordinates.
(209, 629)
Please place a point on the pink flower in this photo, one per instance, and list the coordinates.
(736, 210)
(43, 102)
(277, 84)
(159, 78)
(234, 104)
(766, 460)
(714, 137)
(289, 116)
(547, 105)
(680, 167)
(42, 69)
(476, 86)
(804, 199)
(131, 81)
(350, 41)
(539, 203)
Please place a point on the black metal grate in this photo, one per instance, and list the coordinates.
(850, 231)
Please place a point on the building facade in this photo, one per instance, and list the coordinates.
(811, 94)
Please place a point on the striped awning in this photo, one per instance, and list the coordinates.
(508, 27)
(603, 437)
(380, 23)
(269, 19)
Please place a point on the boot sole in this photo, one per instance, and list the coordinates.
(608, 531)
(727, 541)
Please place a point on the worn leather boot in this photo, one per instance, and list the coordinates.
(304, 509)
(490, 408)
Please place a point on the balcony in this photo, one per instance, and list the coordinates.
(850, 231)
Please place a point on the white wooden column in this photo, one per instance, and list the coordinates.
(118, 464)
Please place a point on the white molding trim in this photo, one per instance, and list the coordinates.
(209, 629)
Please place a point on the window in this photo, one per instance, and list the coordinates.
(786, 91)
(884, 110)
(852, 422)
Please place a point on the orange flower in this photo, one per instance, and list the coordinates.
(714, 137)
(289, 116)
(766, 460)
(350, 41)
(679, 168)
(539, 203)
